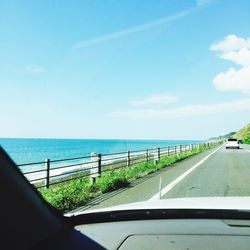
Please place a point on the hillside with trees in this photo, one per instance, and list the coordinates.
(222, 137)
(244, 134)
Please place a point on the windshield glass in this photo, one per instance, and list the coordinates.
(106, 103)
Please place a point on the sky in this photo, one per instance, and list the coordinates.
(134, 69)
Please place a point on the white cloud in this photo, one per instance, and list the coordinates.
(132, 30)
(234, 80)
(237, 50)
(184, 111)
(231, 43)
(154, 99)
(142, 27)
(241, 57)
(35, 69)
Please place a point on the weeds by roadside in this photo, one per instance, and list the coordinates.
(78, 192)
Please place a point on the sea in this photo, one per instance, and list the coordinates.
(35, 150)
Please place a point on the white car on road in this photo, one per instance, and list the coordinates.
(232, 143)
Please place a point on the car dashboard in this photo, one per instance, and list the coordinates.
(170, 233)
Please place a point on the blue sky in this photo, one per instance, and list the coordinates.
(162, 69)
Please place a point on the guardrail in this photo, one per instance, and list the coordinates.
(53, 172)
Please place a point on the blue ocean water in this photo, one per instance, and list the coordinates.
(34, 150)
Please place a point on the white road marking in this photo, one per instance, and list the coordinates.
(247, 150)
(181, 177)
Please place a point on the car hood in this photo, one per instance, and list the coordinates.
(230, 203)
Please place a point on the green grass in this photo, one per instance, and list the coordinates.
(244, 134)
(76, 193)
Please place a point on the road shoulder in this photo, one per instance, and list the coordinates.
(145, 187)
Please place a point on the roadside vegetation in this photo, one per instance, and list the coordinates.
(76, 193)
(244, 134)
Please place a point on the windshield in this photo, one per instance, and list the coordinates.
(106, 103)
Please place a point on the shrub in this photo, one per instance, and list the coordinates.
(112, 181)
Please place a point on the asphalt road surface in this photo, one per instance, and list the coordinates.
(225, 172)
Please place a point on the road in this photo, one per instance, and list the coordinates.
(225, 172)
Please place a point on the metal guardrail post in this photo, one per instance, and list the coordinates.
(146, 155)
(155, 155)
(180, 149)
(168, 151)
(128, 159)
(159, 153)
(47, 167)
(100, 164)
(175, 150)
